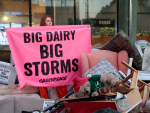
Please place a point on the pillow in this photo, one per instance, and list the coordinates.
(103, 67)
(122, 42)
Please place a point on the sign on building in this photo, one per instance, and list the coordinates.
(100, 22)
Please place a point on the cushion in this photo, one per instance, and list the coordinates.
(122, 42)
(103, 67)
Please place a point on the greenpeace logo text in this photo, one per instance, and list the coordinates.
(52, 79)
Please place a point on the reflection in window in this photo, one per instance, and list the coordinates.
(61, 10)
(3, 37)
(17, 12)
(16, 25)
(101, 15)
(143, 19)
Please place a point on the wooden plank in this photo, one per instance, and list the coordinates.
(64, 99)
(141, 89)
(147, 38)
(126, 85)
(102, 40)
(134, 79)
(127, 78)
(131, 68)
(146, 92)
(142, 82)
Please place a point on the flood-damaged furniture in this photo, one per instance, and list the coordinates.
(90, 59)
(120, 42)
(143, 88)
(131, 98)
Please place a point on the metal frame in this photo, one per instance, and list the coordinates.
(130, 18)
(30, 14)
(74, 12)
(117, 16)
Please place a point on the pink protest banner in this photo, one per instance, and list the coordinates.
(48, 56)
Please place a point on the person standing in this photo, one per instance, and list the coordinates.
(47, 20)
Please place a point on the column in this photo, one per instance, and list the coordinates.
(49, 9)
(133, 20)
(123, 15)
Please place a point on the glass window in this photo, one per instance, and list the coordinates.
(101, 15)
(16, 24)
(3, 37)
(13, 13)
(143, 21)
(61, 11)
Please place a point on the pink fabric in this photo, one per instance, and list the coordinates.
(96, 56)
(91, 59)
(142, 104)
(63, 50)
(123, 56)
(84, 63)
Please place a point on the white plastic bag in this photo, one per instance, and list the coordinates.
(146, 59)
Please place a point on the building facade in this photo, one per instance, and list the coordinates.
(106, 17)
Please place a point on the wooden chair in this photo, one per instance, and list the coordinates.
(144, 89)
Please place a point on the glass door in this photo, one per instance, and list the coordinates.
(101, 15)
